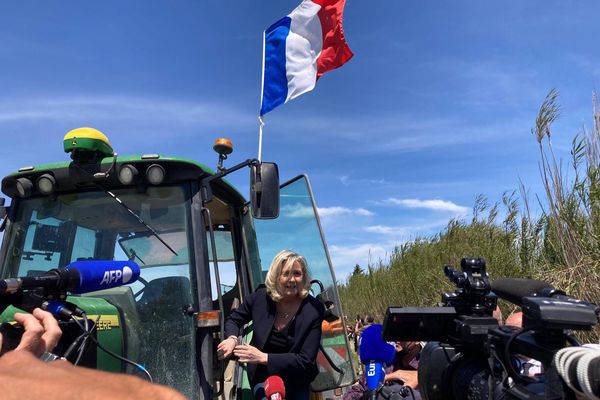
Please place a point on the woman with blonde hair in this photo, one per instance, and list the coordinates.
(287, 329)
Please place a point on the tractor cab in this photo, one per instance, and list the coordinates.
(200, 245)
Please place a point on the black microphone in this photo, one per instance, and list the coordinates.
(514, 289)
(545, 307)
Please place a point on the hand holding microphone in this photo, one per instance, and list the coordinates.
(40, 333)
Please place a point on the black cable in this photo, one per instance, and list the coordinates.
(88, 332)
(507, 356)
(126, 360)
(138, 366)
(81, 338)
(67, 354)
(109, 352)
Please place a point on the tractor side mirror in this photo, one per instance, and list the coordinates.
(264, 190)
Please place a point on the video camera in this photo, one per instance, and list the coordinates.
(470, 356)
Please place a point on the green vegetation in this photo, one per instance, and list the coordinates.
(560, 245)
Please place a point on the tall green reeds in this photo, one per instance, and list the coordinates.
(558, 244)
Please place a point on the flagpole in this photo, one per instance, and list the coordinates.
(261, 121)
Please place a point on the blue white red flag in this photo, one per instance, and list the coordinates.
(301, 47)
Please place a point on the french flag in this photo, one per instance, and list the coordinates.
(301, 47)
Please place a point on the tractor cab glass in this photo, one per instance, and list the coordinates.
(298, 229)
(151, 327)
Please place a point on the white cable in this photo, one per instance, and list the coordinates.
(563, 360)
(578, 360)
(583, 373)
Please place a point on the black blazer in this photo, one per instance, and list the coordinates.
(300, 362)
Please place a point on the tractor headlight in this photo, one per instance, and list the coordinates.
(46, 184)
(155, 174)
(128, 174)
(24, 187)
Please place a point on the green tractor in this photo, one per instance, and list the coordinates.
(201, 246)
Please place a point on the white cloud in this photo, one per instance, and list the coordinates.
(325, 212)
(118, 108)
(344, 258)
(347, 181)
(436, 205)
(297, 211)
(301, 211)
(388, 230)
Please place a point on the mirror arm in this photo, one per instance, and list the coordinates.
(205, 183)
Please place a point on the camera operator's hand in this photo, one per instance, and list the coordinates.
(41, 332)
(408, 378)
(22, 376)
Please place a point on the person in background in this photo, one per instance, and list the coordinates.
(350, 333)
(498, 315)
(287, 329)
(402, 374)
(515, 319)
(358, 324)
(368, 321)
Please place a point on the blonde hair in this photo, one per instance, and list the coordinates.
(282, 260)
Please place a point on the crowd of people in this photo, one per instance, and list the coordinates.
(402, 375)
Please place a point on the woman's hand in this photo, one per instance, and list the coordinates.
(41, 332)
(225, 348)
(250, 354)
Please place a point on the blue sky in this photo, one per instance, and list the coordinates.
(435, 107)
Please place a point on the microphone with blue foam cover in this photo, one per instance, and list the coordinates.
(374, 352)
(78, 277)
(103, 274)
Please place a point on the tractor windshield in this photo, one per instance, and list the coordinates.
(152, 329)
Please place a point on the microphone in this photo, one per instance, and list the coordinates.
(374, 352)
(514, 289)
(545, 307)
(77, 277)
(274, 388)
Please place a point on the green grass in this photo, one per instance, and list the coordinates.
(560, 244)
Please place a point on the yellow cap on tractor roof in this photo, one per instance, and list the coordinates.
(89, 139)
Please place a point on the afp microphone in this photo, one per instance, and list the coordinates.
(374, 353)
(274, 388)
(77, 277)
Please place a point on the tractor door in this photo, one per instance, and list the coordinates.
(298, 229)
